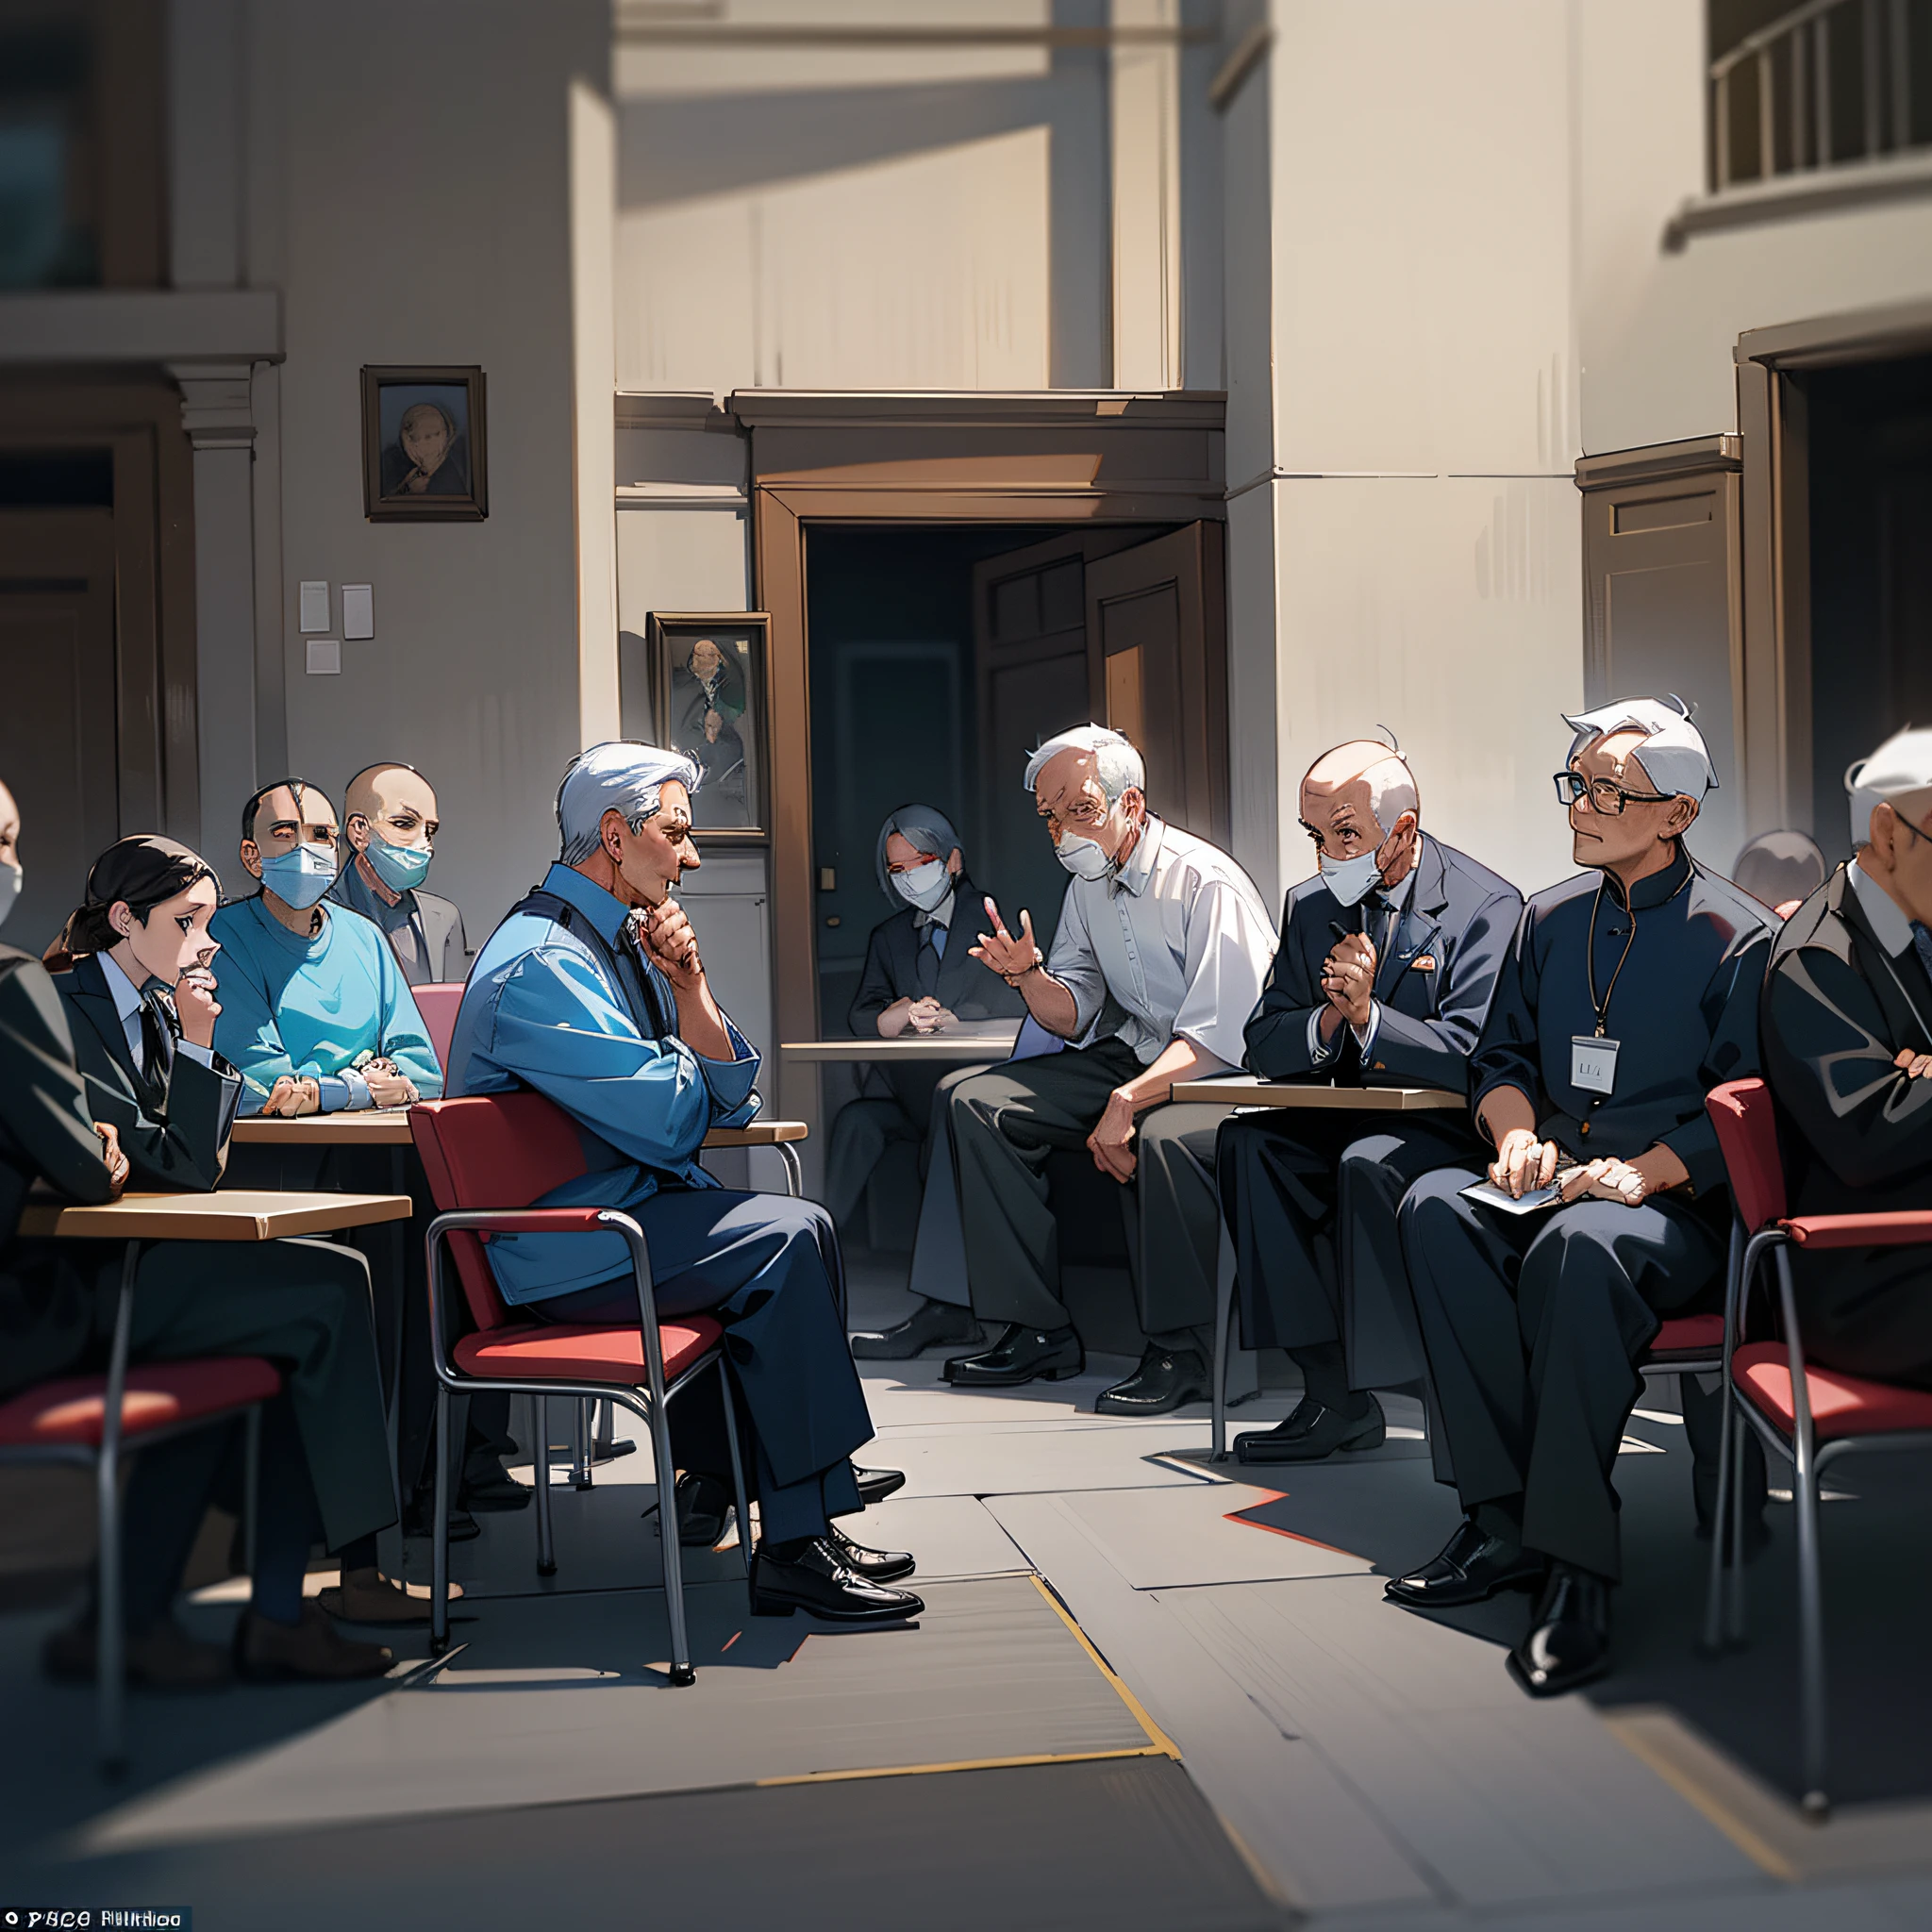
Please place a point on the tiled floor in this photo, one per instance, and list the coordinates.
(1336, 1757)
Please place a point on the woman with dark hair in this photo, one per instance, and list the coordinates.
(133, 969)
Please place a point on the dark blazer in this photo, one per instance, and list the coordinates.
(175, 1136)
(446, 946)
(966, 987)
(1684, 1012)
(46, 1134)
(1857, 1131)
(1433, 983)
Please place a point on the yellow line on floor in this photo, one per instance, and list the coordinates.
(1166, 1746)
(1634, 1739)
(829, 1778)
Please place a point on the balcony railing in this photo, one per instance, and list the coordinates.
(1830, 82)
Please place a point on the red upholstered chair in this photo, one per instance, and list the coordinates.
(438, 1003)
(487, 1158)
(99, 1421)
(1810, 1416)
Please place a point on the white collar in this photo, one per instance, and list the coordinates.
(1893, 929)
(125, 994)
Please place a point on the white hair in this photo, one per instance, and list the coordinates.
(1673, 751)
(621, 776)
(1901, 764)
(1116, 764)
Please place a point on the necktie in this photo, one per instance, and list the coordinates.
(160, 1027)
(1922, 945)
(928, 965)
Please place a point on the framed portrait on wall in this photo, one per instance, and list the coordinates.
(424, 445)
(710, 700)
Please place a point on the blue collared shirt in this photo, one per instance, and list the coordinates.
(544, 1010)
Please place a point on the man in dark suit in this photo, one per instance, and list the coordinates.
(390, 821)
(1388, 958)
(916, 980)
(1847, 1025)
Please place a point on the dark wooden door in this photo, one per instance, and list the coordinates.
(58, 727)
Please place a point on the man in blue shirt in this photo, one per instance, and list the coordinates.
(593, 991)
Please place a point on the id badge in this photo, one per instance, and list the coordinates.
(1593, 1063)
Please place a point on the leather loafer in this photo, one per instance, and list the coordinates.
(1020, 1355)
(1470, 1569)
(876, 1566)
(928, 1325)
(313, 1649)
(818, 1580)
(875, 1485)
(703, 1507)
(492, 1489)
(1569, 1641)
(1166, 1378)
(1313, 1432)
(163, 1659)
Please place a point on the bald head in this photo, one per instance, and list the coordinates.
(1360, 797)
(391, 802)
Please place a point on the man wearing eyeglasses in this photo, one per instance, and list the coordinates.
(1848, 1057)
(1630, 991)
(1158, 960)
(1389, 957)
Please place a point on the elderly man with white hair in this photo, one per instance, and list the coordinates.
(1158, 960)
(1389, 957)
(593, 991)
(1848, 1057)
(1630, 991)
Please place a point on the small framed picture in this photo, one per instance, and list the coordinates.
(423, 446)
(710, 700)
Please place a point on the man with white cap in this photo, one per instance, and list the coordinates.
(1630, 991)
(1162, 946)
(1848, 1057)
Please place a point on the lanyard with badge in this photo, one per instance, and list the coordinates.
(1593, 1055)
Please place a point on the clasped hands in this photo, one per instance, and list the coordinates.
(1525, 1163)
(918, 1016)
(672, 945)
(295, 1094)
(1348, 979)
(1916, 1066)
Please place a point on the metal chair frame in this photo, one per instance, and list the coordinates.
(104, 1461)
(647, 1405)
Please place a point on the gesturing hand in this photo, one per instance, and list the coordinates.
(1522, 1162)
(1011, 959)
(110, 1152)
(1348, 977)
(1112, 1140)
(672, 946)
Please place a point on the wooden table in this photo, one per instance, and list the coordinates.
(238, 1215)
(384, 1127)
(955, 1045)
(1248, 1089)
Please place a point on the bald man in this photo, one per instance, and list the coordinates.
(390, 823)
(1387, 960)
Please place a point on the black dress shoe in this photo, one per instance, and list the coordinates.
(419, 1520)
(1166, 1378)
(1569, 1641)
(875, 1485)
(1471, 1568)
(1313, 1432)
(813, 1577)
(876, 1566)
(491, 1488)
(703, 1507)
(1020, 1355)
(927, 1326)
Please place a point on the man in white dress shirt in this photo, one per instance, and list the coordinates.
(1162, 947)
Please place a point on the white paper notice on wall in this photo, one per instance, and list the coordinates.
(314, 605)
(358, 611)
(325, 657)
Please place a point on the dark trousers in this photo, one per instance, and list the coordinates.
(768, 1268)
(1005, 1123)
(1532, 1324)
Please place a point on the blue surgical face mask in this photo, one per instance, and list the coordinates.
(401, 868)
(10, 889)
(300, 878)
(924, 886)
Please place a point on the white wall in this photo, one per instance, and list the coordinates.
(1427, 533)
(413, 223)
(1660, 327)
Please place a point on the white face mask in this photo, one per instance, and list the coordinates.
(10, 876)
(924, 886)
(1351, 879)
(1083, 858)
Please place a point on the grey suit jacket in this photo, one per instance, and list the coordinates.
(415, 917)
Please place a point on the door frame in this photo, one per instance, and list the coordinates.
(879, 458)
(1774, 726)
